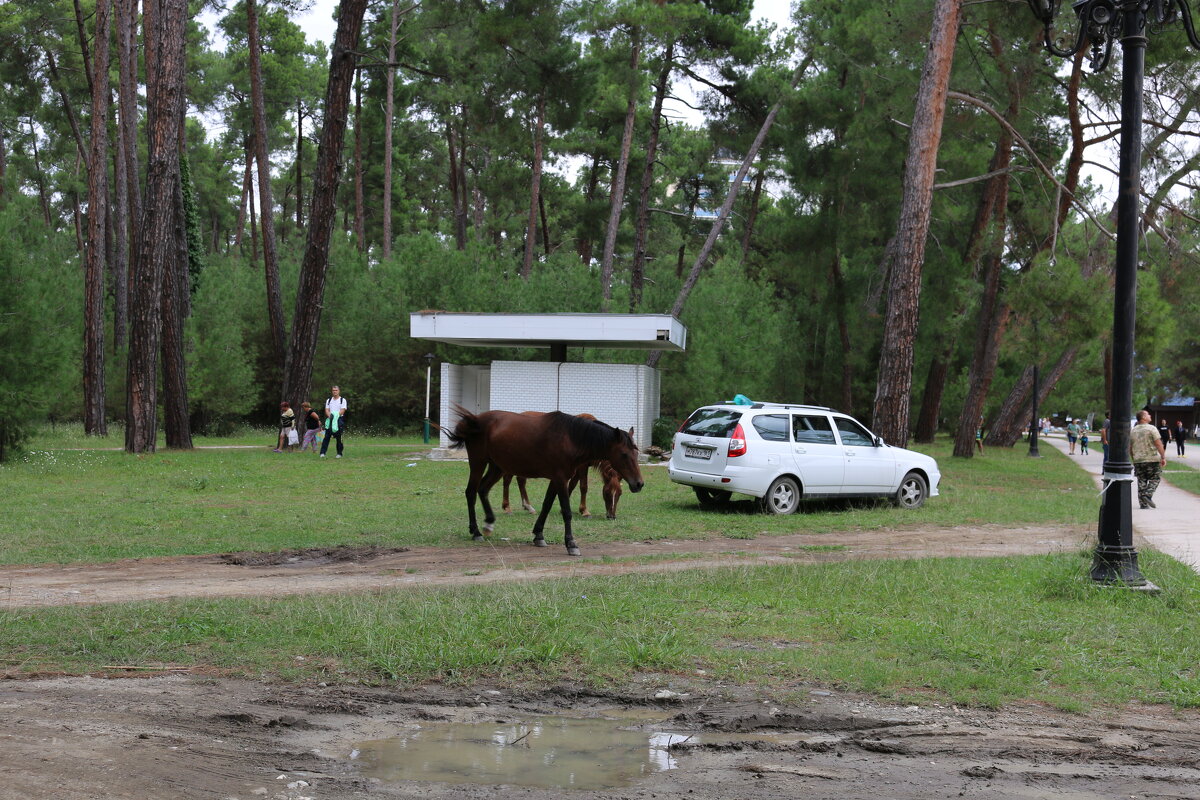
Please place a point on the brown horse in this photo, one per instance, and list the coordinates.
(553, 446)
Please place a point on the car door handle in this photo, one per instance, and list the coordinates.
(800, 450)
(850, 454)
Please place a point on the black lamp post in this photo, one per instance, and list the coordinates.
(1099, 23)
(1034, 423)
(429, 357)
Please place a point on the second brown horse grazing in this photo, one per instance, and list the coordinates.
(553, 446)
(611, 486)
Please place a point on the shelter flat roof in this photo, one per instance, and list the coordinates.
(625, 331)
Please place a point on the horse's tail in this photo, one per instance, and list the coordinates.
(465, 430)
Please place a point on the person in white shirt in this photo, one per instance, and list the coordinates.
(335, 420)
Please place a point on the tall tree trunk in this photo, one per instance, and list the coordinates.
(616, 197)
(246, 200)
(96, 268)
(164, 24)
(68, 110)
(310, 294)
(39, 176)
(718, 224)
(931, 400)
(360, 200)
(839, 302)
(457, 196)
(127, 96)
(545, 224)
(905, 254)
(585, 241)
(175, 302)
(641, 224)
(535, 188)
(119, 266)
(389, 111)
(266, 205)
(299, 166)
(81, 30)
(752, 216)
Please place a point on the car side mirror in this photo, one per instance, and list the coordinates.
(879, 441)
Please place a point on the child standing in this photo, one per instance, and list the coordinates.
(1083, 441)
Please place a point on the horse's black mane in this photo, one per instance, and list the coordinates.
(589, 435)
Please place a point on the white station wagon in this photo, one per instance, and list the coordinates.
(783, 454)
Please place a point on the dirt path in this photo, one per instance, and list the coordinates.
(357, 569)
(200, 736)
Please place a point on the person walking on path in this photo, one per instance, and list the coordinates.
(287, 424)
(1083, 442)
(1180, 435)
(312, 424)
(1105, 431)
(335, 420)
(1149, 457)
(1072, 435)
(1164, 432)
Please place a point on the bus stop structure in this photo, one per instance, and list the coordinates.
(623, 395)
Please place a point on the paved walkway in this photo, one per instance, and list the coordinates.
(1172, 528)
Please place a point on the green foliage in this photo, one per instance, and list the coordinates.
(40, 338)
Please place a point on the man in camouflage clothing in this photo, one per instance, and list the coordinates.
(1148, 457)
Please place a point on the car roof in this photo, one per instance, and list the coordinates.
(771, 407)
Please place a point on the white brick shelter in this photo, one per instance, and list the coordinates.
(623, 395)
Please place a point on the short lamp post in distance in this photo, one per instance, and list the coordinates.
(1097, 25)
(429, 357)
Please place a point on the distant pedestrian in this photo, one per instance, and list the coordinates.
(1072, 435)
(1164, 432)
(287, 426)
(1083, 443)
(1148, 456)
(1105, 433)
(1180, 435)
(335, 420)
(312, 424)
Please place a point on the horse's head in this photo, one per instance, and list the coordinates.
(623, 455)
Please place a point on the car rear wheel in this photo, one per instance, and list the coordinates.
(912, 492)
(711, 498)
(783, 497)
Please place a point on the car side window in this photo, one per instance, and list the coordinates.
(853, 434)
(772, 427)
(812, 429)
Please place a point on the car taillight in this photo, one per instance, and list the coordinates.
(737, 442)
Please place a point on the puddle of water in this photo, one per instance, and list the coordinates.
(544, 752)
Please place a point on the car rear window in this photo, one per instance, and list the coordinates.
(716, 422)
(772, 427)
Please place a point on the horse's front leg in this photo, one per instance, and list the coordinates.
(564, 502)
(504, 506)
(473, 479)
(540, 525)
(489, 480)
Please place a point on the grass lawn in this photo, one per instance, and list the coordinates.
(973, 631)
(68, 505)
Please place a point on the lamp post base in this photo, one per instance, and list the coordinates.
(1118, 567)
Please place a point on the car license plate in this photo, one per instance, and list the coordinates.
(698, 452)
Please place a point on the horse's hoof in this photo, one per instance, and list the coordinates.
(477, 537)
(585, 513)
(529, 508)
(610, 516)
(487, 529)
(539, 542)
(573, 551)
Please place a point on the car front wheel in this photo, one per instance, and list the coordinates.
(711, 498)
(912, 492)
(783, 497)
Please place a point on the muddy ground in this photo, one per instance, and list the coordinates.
(199, 736)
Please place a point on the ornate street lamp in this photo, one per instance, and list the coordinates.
(1099, 23)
